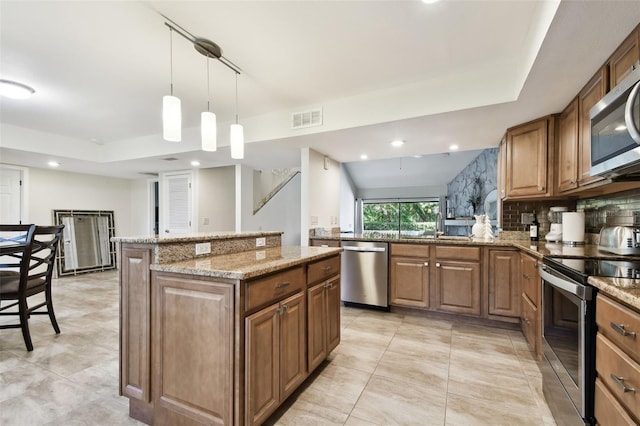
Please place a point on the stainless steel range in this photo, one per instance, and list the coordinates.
(569, 331)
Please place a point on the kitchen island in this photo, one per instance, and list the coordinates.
(225, 336)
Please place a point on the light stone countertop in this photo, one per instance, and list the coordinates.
(201, 236)
(626, 290)
(248, 264)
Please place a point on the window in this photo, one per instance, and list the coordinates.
(405, 218)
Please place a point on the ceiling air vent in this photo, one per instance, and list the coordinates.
(170, 159)
(311, 118)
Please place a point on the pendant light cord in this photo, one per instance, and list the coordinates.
(171, 59)
(208, 88)
(236, 98)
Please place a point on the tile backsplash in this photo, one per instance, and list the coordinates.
(596, 209)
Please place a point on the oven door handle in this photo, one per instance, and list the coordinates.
(564, 283)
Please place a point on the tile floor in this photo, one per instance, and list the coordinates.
(389, 369)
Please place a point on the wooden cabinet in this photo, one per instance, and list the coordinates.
(193, 323)
(318, 242)
(275, 362)
(590, 95)
(409, 275)
(617, 363)
(323, 302)
(504, 283)
(624, 58)
(568, 147)
(323, 309)
(135, 322)
(530, 316)
(529, 159)
(457, 279)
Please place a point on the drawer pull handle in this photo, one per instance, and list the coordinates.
(526, 277)
(282, 285)
(279, 311)
(620, 329)
(426, 263)
(620, 382)
(327, 268)
(437, 264)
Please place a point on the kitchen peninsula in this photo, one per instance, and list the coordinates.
(221, 328)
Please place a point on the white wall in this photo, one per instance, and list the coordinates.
(56, 190)
(405, 192)
(347, 200)
(139, 198)
(216, 199)
(281, 213)
(324, 191)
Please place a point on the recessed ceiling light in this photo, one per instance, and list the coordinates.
(53, 164)
(195, 163)
(363, 157)
(621, 128)
(397, 143)
(417, 156)
(430, 1)
(453, 147)
(15, 90)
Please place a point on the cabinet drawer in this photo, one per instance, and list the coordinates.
(607, 410)
(529, 322)
(325, 243)
(620, 373)
(264, 291)
(410, 250)
(323, 269)
(614, 320)
(458, 252)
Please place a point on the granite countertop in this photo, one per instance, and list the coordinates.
(626, 290)
(201, 236)
(248, 264)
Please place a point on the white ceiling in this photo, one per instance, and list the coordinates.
(454, 72)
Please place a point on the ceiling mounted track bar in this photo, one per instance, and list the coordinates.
(203, 46)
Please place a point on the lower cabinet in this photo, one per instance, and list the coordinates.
(275, 362)
(458, 279)
(530, 316)
(323, 306)
(504, 283)
(193, 321)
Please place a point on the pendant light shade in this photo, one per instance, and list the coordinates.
(208, 130)
(237, 142)
(171, 119)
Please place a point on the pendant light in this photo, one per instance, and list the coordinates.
(237, 133)
(171, 113)
(208, 127)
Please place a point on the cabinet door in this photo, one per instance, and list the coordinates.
(262, 364)
(624, 58)
(568, 148)
(293, 343)
(590, 95)
(333, 313)
(458, 287)
(502, 168)
(527, 156)
(409, 282)
(193, 350)
(317, 344)
(504, 283)
(135, 322)
(529, 323)
(531, 285)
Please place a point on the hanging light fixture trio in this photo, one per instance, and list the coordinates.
(171, 112)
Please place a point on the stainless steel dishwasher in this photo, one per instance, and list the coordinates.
(364, 275)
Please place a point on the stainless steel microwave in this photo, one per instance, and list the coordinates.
(615, 130)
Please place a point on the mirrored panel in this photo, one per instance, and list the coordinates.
(86, 241)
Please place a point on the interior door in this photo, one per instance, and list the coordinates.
(10, 195)
(177, 203)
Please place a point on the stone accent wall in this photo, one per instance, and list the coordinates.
(484, 167)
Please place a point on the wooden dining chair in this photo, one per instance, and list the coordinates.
(28, 272)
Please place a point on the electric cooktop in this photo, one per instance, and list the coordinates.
(582, 269)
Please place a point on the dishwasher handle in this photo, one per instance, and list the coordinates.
(364, 249)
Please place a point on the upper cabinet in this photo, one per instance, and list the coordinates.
(529, 149)
(590, 95)
(624, 58)
(502, 169)
(568, 147)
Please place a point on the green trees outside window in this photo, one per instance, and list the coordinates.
(400, 218)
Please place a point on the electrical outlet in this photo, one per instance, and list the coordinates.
(261, 255)
(203, 248)
(261, 242)
(205, 221)
(526, 218)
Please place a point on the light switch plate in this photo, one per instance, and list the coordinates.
(526, 218)
(203, 248)
(261, 242)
